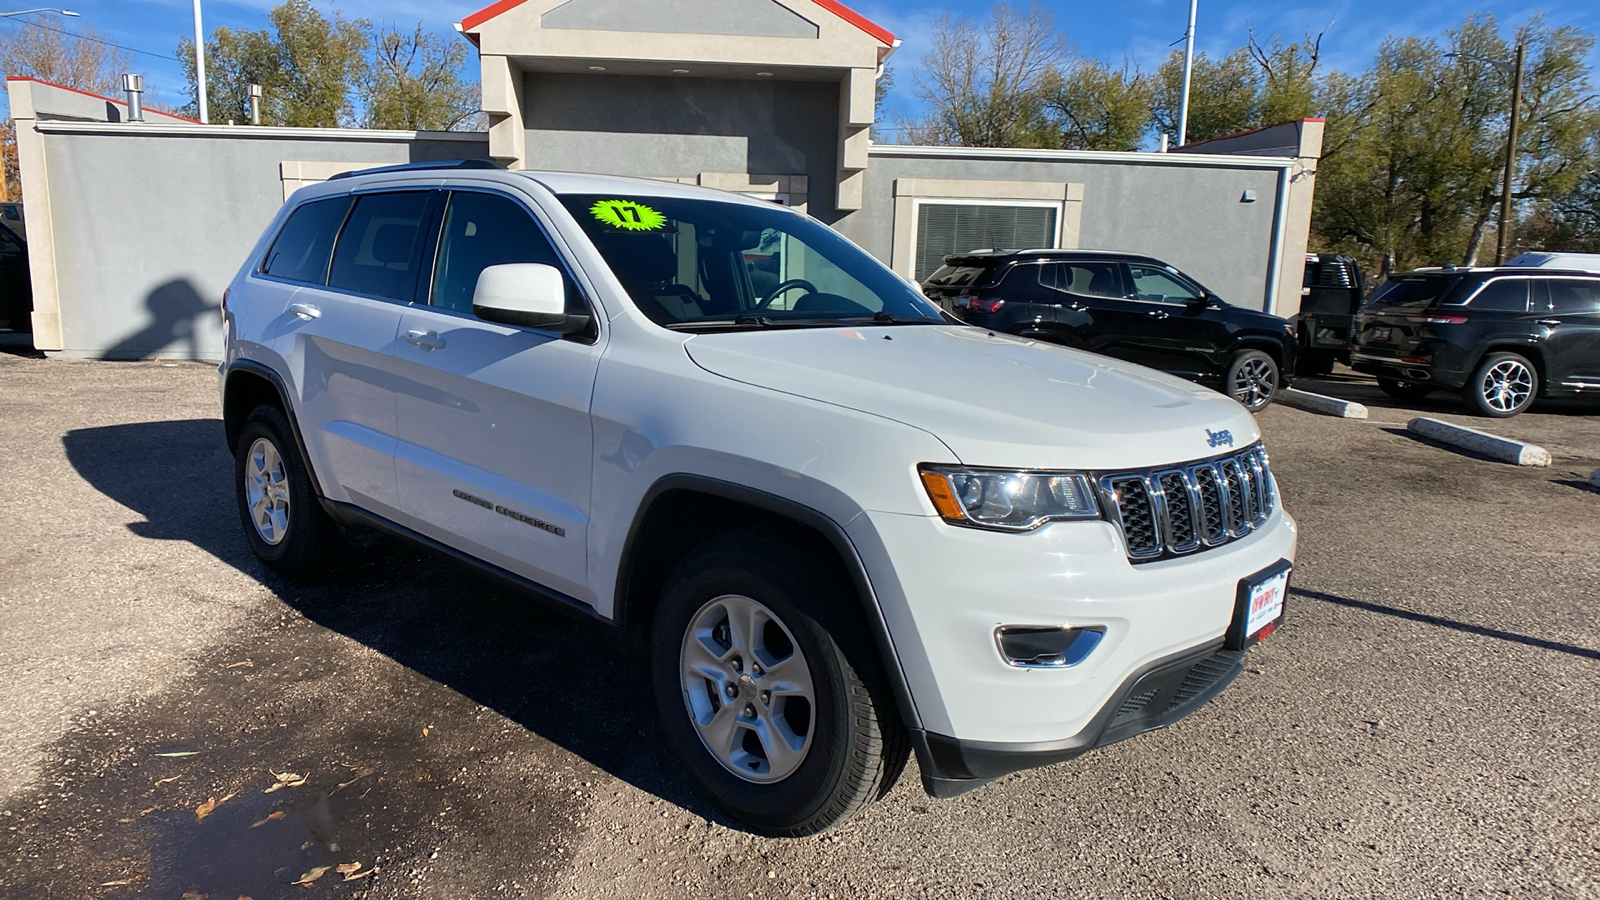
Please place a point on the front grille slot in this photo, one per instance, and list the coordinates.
(1171, 512)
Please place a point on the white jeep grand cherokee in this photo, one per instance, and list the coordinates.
(845, 526)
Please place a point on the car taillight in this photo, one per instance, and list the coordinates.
(1427, 319)
(985, 304)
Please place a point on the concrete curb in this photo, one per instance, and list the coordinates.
(1490, 445)
(1332, 406)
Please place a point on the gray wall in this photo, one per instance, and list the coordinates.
(149, 230)
(754, 18)
(679, 127)
(1190, 216)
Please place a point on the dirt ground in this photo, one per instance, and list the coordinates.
(1425, 725)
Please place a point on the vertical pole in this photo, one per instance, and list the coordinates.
(255, 104)
(200, 64)
(1188, 68)
(1511, 162)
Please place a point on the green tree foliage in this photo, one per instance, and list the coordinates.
(322, 72)
(1099, 108)
(1222, 95)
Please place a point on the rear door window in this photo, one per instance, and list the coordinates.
(1502, 295)
(378, 249)
(1087, 279)
(300, 252)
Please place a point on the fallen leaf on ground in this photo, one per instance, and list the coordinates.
(146, 812)
(347, 868)
(161, 781)
(271, 818)
(242, 662)
(181, 753)
(360, 774)
(115, 883)
(193, 895)
(355, 876)
(424, 731)
(204, 809)
(286, 779)
(311, 877)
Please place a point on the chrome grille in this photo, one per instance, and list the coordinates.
(1173, 511)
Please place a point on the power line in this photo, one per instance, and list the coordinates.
(84, 37)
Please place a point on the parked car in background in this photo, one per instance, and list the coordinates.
(11, 217)
(1544, 259)
(1501, 336)
(846, 528)
(1330, 294)
(1124, 305)
(16, 286)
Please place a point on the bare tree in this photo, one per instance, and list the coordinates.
(983, 83)
(85, 62)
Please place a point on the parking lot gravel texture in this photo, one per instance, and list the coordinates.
(179, 723)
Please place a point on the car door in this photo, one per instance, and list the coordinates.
(1172, 332)
(495, 447)
(1089, 301)
(1571, 313)
(338, 337)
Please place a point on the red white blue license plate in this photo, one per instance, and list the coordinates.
(1260, 605)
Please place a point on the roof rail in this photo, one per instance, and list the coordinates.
(424, 166)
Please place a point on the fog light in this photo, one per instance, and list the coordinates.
(1046, 647)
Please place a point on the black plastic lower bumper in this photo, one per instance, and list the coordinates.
(1153, 697)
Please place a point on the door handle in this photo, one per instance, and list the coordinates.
(305, 311)
(1549, 322)
(427, 340)
(1157, 314)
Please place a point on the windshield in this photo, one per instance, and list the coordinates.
(1411, 293)
(697, 265)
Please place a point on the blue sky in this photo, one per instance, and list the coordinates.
(1139, 30)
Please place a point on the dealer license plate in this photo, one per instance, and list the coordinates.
(1379, 333)
(1259, 605)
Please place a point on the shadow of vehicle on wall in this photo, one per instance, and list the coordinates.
(555, 673)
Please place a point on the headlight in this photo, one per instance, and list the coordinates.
(1008, 499)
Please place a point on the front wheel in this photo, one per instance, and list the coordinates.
(1253, 379)
(1503, 385)
(768, 688)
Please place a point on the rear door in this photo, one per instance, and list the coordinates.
(1085, 296)
(495, 447)
(1570, 309)
(339, 337)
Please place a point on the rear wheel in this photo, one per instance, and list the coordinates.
(769, 689)
(1503, 385)
(1404, 390)
(1253, 379)
(278, 506)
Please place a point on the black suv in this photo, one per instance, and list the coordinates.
(1124, 305)
(1501, 336)
(1330, 294)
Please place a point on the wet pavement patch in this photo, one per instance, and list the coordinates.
(299, 755)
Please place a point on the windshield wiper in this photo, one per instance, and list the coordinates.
(883, 318)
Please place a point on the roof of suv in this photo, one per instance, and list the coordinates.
(556, 182)
(998, 256)
(1499, 270)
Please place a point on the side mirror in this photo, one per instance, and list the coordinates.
(530, 295)
(1198, 303)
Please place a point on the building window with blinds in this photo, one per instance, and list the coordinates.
(946, 228)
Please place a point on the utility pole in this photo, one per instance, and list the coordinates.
(200, 64)
(1511, 160)
(1188, 68)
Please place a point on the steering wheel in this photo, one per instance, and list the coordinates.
(789, 285)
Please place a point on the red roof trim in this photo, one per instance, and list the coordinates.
(834, 6)
(122, 103)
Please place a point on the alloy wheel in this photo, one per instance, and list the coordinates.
(1507, 385)
(266, 488)
(1254, 383)
(747, 689)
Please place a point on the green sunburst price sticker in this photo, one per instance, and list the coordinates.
(628, 215)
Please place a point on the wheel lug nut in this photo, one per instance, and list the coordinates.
(749, 711)
(766, 696)
(732, 691)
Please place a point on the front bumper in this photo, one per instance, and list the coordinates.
(944, 590)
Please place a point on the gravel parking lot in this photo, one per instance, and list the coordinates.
(1426, 724)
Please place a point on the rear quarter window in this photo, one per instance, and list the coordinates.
(301, 250)
(957, 276)
(1411, 293)
(1502, 295)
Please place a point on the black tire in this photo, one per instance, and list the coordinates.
(1253, 379)
(857, 746)
(1314, 366)
(1404, 390)
(1503, 385)
(307, 537)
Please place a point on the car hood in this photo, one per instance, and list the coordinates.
(994, 400)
